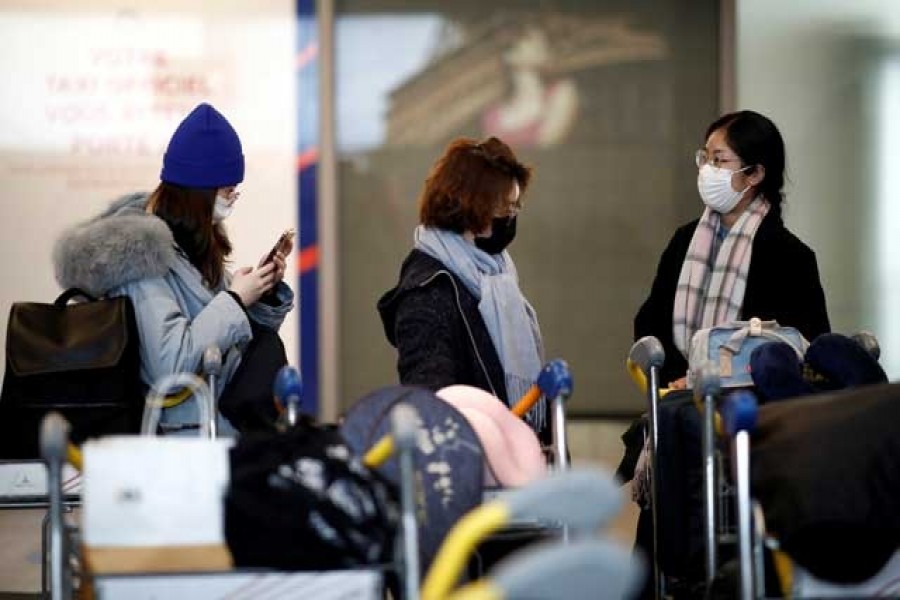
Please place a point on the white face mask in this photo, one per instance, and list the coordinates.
(222, 209)
(714, 185)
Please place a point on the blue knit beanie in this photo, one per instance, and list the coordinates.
(204, 152)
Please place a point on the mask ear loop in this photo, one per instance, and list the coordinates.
(741, 170)
(754, 169)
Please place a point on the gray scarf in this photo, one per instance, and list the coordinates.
(510, 319)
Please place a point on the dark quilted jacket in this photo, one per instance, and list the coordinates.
(441, 339)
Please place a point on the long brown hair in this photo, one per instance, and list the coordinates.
(188, 213)
(468, 184)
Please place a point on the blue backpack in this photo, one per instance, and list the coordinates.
(730, 345)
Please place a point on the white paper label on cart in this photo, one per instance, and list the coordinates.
(148, 491)
(27, 481)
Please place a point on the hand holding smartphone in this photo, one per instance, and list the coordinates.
(284, 245)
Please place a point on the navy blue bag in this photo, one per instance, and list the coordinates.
(449, 457)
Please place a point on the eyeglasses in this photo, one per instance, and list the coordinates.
(231, 198)
(511, 209)
(701, 157)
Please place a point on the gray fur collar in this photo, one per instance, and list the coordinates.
(121, 245)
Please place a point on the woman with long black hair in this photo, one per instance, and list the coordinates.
(738, 260)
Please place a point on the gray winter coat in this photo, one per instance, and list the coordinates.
(126, 252)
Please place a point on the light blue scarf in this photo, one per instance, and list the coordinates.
(510, 319)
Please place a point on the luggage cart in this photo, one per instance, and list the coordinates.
(740, 414)
(54, 439)
(64, 569)
(363, 583)
(720, 519)
(66, 572)
(648, 356)
(24, 490)
(24, 485)
(366, 422)
(725, 513)
(681, 441)
(555, 383)
(559, 497)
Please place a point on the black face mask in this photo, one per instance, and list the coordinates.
(503, 232)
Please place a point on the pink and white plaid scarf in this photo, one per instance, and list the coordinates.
(707, 298)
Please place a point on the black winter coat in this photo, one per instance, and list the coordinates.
(782, 284)
(441, 339)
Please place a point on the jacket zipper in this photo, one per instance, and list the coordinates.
(466, 321)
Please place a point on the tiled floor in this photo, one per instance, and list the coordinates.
(599, 443)
(20, 549)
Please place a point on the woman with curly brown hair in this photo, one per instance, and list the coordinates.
(457, 315)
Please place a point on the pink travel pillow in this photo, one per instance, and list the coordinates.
(512, 451)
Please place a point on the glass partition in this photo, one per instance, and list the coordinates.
(606, 100)
(828, 73)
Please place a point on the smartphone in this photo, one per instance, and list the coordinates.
(286, 238)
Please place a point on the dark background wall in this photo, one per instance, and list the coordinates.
(607, 193)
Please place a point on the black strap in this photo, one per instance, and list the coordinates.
(71, 293)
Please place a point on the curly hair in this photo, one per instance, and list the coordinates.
(469, 183)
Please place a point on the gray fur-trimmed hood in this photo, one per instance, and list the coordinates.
(121, 245)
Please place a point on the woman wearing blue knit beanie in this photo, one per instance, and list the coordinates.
(167, 252)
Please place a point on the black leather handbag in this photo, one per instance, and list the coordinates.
(80, 359)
